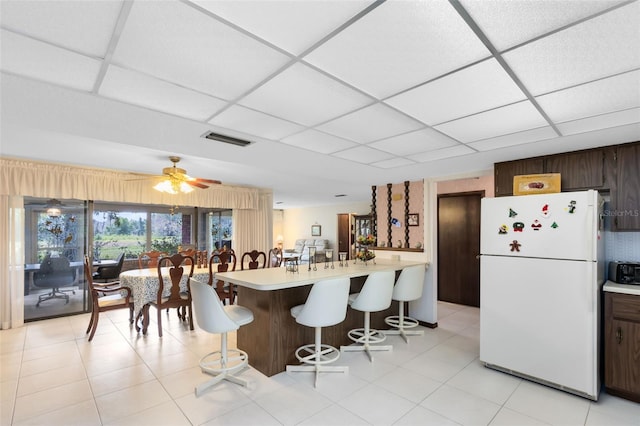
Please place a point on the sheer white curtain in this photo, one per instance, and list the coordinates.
(12, 261)
(253, 228)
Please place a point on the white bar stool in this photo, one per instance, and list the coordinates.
(375, 296)
(212, 316)
(408, 287)
(326, 305)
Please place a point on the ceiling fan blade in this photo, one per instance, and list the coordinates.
(217, 182)
(197, 184)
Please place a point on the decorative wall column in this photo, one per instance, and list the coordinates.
(389, 216)
(406, 214)
(374, 215)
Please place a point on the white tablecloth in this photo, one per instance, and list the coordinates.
(144, 284)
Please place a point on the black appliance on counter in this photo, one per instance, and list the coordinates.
(624, 272)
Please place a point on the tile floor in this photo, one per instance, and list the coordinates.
(50, 375)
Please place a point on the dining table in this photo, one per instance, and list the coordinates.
(144, 284)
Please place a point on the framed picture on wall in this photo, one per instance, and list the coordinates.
(413, 220)
(316, 230)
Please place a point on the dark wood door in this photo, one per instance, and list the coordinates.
(458, 248)
(344, 233)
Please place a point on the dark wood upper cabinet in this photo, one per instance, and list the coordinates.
(579, 170)
(504, 173)
(625, 201)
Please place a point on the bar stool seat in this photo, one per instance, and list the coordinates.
(212, 316)
(408, 287)
(326, 305)
(375, 296)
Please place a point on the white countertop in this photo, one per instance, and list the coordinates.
(612, 287)
(280, 278)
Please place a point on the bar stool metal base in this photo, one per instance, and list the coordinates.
(401, 324)
(365, 336)
(222, 365)
(315, 357)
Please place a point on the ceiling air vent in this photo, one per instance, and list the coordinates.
(226, 139)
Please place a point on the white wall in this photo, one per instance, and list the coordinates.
(297, 222)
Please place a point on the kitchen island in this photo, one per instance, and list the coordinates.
(273, 336)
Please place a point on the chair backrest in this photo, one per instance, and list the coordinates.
(226, 261)
(376, 292)
(150, 259)
(253, 258)
(176, 264)
(410, 283)
(274, 258)
(208, 309)
(54, 271)
(326, 304)
(89, 278)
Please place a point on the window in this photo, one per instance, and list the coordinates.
(136, 229)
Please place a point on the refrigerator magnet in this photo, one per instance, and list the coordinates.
(515, 245)
(503, 230)
(554, 225)
(536, 225)
(544, 212)
(518, 226)
(512, 213)
(572, 206)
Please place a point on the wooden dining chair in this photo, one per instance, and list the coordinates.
(177, 297)
(225, 262)
(150, 259)
(252, 260)
(274, 258)
(105, 297)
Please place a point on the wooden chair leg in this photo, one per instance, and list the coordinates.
(159, 323)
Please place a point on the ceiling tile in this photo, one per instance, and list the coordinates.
(508, 23)
(256, 123)
(604, 121)
(305, 96)
(291, 25)
(139, 89)
(31, 58)
(519, 138)
(606, 45)
(499, 121)
(83, 26)
(398, 45)
(318, 142)
(602, 96)
(393, 163)
(414, 142)
(371, 123)
(363, 154)
(180, 44)
(471, 90)
(439, 154)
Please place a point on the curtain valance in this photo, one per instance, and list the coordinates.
(47, 180)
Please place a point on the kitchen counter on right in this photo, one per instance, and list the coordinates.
(612, 287)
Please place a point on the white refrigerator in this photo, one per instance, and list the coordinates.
(541, 272)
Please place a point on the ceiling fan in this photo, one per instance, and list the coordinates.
(176, 180)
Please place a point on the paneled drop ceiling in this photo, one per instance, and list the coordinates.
(335, 96)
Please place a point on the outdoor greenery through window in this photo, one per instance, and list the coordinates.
(134, 232)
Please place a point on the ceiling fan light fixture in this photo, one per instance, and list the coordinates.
(53, 208)
(173, 187)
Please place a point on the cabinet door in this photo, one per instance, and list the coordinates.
(504, 173)
(626, 199)
(622, 357)
(579, 170)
